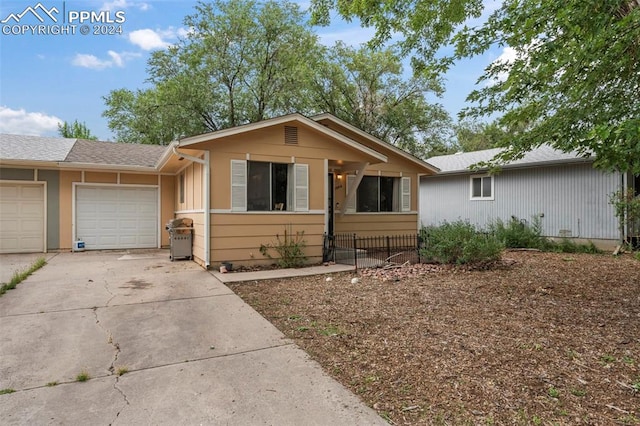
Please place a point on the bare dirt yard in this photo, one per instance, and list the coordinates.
(542, 338)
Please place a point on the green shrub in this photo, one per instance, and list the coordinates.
(290, 249)
(565, 245)
(460, 243)
(519, 233)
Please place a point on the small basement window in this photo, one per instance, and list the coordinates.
(481, 187)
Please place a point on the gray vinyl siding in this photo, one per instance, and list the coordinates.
(52, 177)
(573, 199)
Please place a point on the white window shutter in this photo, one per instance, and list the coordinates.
(405, 190)
(351, 206)
(239, 185)
(301, 173)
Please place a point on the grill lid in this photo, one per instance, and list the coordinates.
(182, 222)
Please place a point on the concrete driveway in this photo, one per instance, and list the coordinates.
(193, 352)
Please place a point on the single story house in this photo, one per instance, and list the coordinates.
(241, 187)
(562, 190)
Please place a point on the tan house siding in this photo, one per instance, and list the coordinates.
(167, 204)
(377, 224)
(138, 179)
(100, 177)
(66, 206)
(192, 187)
(238, 236)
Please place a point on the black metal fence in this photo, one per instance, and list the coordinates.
(369, 252)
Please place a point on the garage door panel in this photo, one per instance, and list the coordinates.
(22, 209)
(32, 192)
(9, 191)
(128, 209)
(31, 209)
(7, 209)
(28, 226)
(117, 217)
(9, 244)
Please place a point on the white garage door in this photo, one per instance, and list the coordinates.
(21, 217)
(110, 217)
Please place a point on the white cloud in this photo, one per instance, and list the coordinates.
(95, 63)
(116, 58)
(508, 56)
(183, 32)
(22, 122)
(148, 39)
(90, 61)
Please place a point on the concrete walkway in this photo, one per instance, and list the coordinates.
(234, 277)
(193, 352)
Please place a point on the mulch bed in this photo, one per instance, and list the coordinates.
(541, 338)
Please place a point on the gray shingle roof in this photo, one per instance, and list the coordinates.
(543, 155)
(34, 148)
(112, 153)
(66, 151)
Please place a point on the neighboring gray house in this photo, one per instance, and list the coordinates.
(570, 197)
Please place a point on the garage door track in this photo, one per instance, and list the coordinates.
(161, 343)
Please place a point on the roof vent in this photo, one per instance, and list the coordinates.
(290, 135)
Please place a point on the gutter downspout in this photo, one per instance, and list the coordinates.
(207, 200)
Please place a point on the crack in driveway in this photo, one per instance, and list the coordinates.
(112, 367)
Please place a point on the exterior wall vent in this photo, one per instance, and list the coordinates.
(290, 135)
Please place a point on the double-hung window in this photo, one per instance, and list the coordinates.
(381, 194)
(481, 187)
(265, 186)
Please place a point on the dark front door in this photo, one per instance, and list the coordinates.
(330, 202)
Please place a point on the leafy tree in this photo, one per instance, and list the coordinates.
(241, 62)
(149, 116)
(476, 135)
(573, 84)
(75, 130)
(366, 88)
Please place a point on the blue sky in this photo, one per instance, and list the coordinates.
(49, 78)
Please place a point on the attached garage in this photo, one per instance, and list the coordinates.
(22, 217)
(116, 216)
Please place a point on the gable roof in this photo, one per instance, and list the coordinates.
(281, 120)
(67, 152)
(34, 148)
(540, 156)
(378, 142)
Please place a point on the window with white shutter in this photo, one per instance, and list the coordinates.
(301, 173)
(264, 186)
(379, 194)
(350, 207)
(238, 185)
(405, 191)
